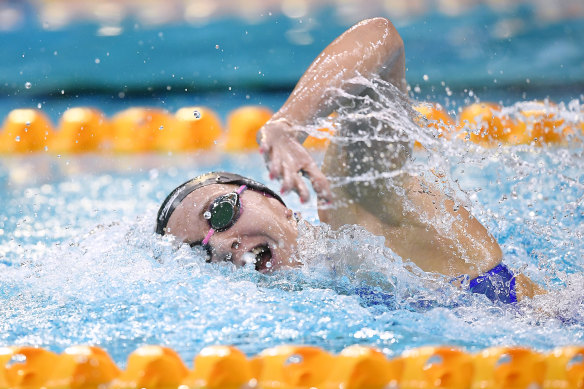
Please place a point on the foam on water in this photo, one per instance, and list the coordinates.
(80, 262)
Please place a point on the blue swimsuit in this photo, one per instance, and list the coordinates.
(498, 284)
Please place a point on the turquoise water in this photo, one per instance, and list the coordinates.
(80, 263)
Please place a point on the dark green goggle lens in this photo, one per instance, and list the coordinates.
(224, 211)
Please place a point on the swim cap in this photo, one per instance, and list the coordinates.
(178, 194)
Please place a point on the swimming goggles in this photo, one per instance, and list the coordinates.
(223, 212)
(174, 199)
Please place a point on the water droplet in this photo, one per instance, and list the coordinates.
(17, 139)
(207, 215)
(196, 114)
(16, 359)
(27, 85)
(161, 128)
(425, 77)
(97, 60)
(293, 359)
(248, 258)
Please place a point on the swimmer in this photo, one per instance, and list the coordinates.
(240, 220)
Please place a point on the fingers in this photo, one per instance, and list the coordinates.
(319, 182)
(293, 174)
(275, 165)
(289, 161)
(288, 179)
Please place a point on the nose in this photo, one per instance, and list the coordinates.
(228, 249)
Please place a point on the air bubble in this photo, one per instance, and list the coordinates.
(196, 114)
(17, 139)
(27, 85)
(207, 215)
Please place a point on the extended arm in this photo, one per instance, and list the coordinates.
(371, 48)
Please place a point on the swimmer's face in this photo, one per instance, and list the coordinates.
(265, 231)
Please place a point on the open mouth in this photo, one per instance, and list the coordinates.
(263, 256)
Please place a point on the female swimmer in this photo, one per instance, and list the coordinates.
(405, 210)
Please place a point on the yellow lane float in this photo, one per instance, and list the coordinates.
(137, 129)
(220, 367)
(538, 121)
(141, 129)
(487, 125)
(83, 367)
(152, 367)
(82, 130)
(242, 127)
(25, 367)
(359, 367)
(295, 367)
(436, 117)
(508, 367)
(320, 140)
(565, 368)
(195, 128)
(436, 367)
(26, 130)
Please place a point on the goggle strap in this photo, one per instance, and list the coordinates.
(241, 189)
(209, 235)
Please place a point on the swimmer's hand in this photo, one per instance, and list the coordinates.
(289, 161)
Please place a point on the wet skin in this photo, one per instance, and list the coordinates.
(264, 222)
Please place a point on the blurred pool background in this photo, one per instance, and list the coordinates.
(114, 54)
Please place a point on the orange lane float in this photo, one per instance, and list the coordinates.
(26, 130)
(195, 128)
(137, 129)
(295, 367)
(83, 367)
(436, 117)
(488, 126)
(565, 368)
(25, 367)
(152, 367)
(220, 367)
(508, 367)
(436, 367)
(199, 128)
(319, 140)
(82, 130)
(363, 367)
(538, 121)
(242, 127)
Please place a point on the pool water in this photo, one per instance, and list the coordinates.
(80, 263)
